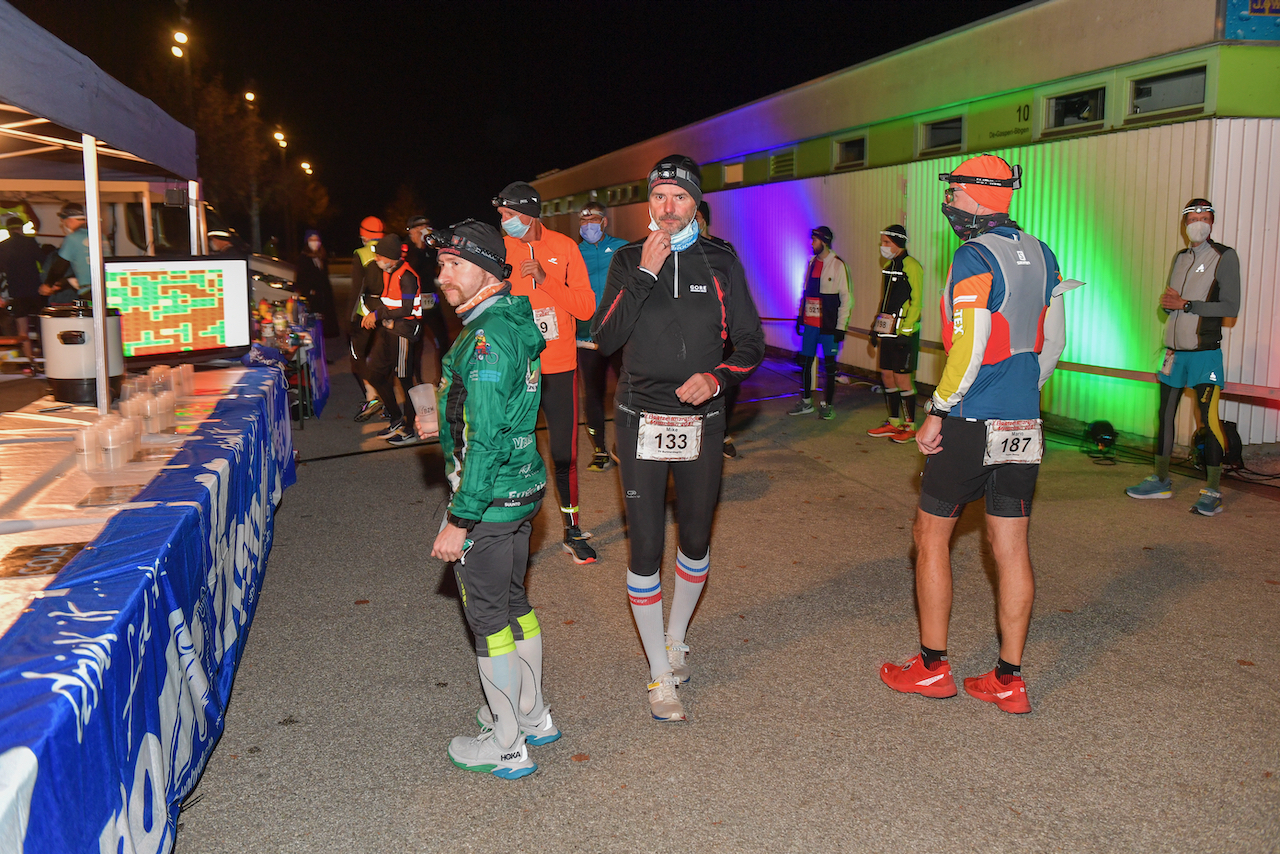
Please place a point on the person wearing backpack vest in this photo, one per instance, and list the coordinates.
(360, 339)
(1203, 288)
(1003, 327)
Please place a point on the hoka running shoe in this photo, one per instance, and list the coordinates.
(485, 755)
(1151, 487)
(1209, 503)
(536, 729)
(1010, 696)
(914, 678)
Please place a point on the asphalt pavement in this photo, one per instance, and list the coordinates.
(1151, 666)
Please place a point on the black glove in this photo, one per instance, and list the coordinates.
(874, 341)
(799, 328)
(839, 335)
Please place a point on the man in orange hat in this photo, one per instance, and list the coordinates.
(1003, 327)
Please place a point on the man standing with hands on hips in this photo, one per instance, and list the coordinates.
(1004, 327)
(670, 302)
(488, 406)
(549, 270)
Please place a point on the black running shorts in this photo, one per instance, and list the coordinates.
(900, 354)
(955, 476)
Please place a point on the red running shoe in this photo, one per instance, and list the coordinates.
(914, 678)
(888, 428)
(1009, 697)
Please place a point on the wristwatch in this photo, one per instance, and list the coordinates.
(465, 524)
(931, 408)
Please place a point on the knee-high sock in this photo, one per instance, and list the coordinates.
(909, 402)
(530, 652)
(893, 400)
(691, 577)
(500, 677)
(645, 593)
(807, 384)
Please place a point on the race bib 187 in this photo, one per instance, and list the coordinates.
(1014, 442)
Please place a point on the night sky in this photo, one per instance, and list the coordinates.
(458, 99)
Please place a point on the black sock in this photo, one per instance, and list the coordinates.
(894, 401)
(909, 401)
(1004, 668)
(932, 656)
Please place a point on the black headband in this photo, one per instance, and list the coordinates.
(1015, 182)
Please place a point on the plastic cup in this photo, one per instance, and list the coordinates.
(423, 398)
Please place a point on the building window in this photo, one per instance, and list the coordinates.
(1166, 91)
(851, 153)
(947, 133)
(732, 173)
(1077, 108)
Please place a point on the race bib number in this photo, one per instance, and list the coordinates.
(885, 325)
(547, 324)
(1014, 442)
(1168, 363)
(812, 307)
(669, 438)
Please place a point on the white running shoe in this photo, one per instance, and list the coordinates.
(664, 705)
(536, 729)
(483, 754)
(675, 654)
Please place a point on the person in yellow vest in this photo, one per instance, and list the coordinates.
(359, 339)
(896, 331)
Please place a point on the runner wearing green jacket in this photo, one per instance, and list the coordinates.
(488, 406)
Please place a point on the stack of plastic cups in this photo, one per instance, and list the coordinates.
(88, 451)
(115, 435)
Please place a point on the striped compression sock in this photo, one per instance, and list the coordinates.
(645, 593)
(691, 577)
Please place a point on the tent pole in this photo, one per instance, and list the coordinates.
(148, 228)
(193, 217)
(93, 211)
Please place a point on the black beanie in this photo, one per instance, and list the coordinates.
(897, 234)
(824, 234)
(521, 198)
(474, 241)
(390, 247)
(682, 171)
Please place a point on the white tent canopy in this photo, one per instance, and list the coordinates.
(55, 84)
(49, 95)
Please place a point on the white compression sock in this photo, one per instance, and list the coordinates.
(691, 577)
(500, 678)
(645, 593)
(530, 652)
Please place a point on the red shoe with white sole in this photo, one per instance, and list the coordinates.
(1010, 696)
(914, 678)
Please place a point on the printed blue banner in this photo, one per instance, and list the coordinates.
(114, 684)
(1252, 20)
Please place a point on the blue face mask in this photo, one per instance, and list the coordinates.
(515, 227)
(685, 237)
(591, 232)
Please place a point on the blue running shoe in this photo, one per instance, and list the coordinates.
(1209, 503)
(1152, 487)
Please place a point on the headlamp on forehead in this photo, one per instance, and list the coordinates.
(1014, 183)
(668, 172)
(1190, 209)
(591, 212)
(500, 202)
(448, 240)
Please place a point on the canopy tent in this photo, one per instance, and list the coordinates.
(60, 113)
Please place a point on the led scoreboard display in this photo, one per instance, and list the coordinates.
(180, 309)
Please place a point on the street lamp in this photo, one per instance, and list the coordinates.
(181, 38)
(249, 96)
